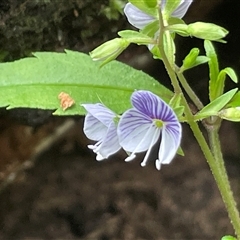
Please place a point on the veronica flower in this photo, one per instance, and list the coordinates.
(141, 127)
(100, 125)
(140, 19)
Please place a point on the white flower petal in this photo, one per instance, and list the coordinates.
(171, 137)
(99, 125)
(136, 17)
(110, 143)
(135, 131)
(100, 112)
(182, 9)
(93, 128)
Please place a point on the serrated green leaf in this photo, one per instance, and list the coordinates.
(36, 82)
(216, 105)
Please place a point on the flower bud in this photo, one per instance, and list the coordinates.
(207, 31)
(190, 59)
(109, 50)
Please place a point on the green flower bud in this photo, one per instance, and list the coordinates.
(190, 59)
(207, 31)
(109, 50)
(230, 114)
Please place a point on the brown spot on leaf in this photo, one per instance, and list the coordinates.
(65, 100)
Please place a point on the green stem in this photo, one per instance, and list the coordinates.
(171, 73)
(228, 197)
(189, 90)
(215, 161)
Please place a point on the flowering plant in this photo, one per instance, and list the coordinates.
(138, 113)
(139, 128)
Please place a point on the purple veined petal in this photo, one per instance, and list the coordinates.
(135, 131)
(181, 10)
(152, 106)
(171, 138)
(93, 128)
(136, 17)
(100, 112)
(109, 144)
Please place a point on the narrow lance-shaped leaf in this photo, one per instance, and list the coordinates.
(213, 67)
(215, 106)
(136, 37)
(36, 82)
(220, 83)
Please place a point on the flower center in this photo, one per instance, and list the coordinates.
(116, 119)
(158, 123)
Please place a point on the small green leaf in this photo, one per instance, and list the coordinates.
(231, 73)
(173, 21)
(180, 152)
(213, 68)
(220, 83)
(36, 82)
(216, 105)
(181, 29)
(136, 37)
(151, 3)
(228, 238)
(179, 111)
(169, 7)
(151, 28)
(169, 47)
(176, 100)
(200, 60)
(148, 6)
(235, 101)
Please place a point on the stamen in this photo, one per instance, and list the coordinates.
(91, 147)
(133, 155)
(158, 164)
(99, 157)
(130, 158)
(143, 163)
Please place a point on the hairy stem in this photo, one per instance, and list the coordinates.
(214, 160)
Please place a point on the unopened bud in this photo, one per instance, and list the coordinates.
(208, 31)
(109, 50)
(190, 59)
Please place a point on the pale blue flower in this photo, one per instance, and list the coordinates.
(100, 125)
(142, 126)
(140, 19)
